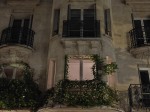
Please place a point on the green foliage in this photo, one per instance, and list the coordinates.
(110, 68)
(66, 66)
(100, 68)
(83, 93)
(16, 93)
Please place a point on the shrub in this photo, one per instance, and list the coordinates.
(16, 93)
(83, 93)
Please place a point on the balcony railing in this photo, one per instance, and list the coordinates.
(12, 35)
(139, 96)
(81, 29)
(139, 37)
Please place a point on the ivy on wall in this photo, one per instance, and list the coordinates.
(84, 93)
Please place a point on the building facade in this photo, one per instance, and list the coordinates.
(42, 32)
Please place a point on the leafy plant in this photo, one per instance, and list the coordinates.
(83, 93)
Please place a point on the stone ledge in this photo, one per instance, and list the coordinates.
(103, 109)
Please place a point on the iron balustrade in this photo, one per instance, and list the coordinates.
(139, 96)
(139, 37)
(13, 35)
(81, 28)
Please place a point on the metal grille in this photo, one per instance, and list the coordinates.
(139, 96)
(12, 35)
(78, 28)
(139, 37)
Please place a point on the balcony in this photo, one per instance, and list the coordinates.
(23, 2)
(16, 44)
(139, 41)
(81, 29)
(139, 96)
(22, 36)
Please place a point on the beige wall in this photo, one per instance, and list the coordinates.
(60, 46)
(122, 24)
(41, 25)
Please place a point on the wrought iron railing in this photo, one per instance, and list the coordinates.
(139, 37)
(12, 35)
(139, 96)
(78, 28)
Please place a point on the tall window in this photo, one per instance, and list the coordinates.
(80, 68)
(81, 23)
(20, 28)
(142, 28)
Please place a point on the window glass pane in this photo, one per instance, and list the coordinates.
(74, 69)
(75, 14)
(88, 14)
(8, 72)
(87, 70)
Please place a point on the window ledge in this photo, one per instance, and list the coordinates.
(23, 2)
(137, 1)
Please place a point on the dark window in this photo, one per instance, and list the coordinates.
(141, 32)
(88, 14)
(20, 29)
(81, 23)
(144, 75)
(75, 14)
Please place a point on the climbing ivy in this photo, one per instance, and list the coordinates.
(85, 93)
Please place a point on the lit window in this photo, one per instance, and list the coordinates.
(80, 69)
(11, 72)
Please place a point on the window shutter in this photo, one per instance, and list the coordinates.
(132, 18)
(94, 11)
(107, 21)
(56, 21)
(68, 14)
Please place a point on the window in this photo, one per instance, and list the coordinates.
(144, 75)
(11, 72)
(56, 21)
(20, 28)
(141, 28)
(80, 68)
(81, 23)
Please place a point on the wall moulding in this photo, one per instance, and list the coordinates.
(23, 2)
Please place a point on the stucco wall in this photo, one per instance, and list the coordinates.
(127, 72)
(41, 25)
